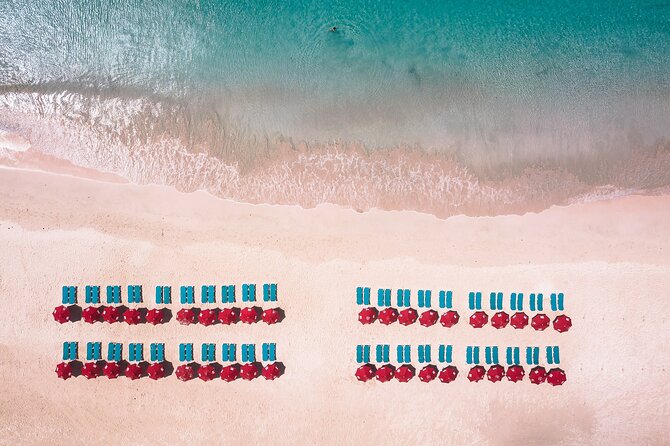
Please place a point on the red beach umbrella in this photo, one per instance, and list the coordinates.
(428, 373)
(91, 315)
(207, 317)
(388, 316)
(405, 372)
(479, 319)
(556, 377)
(132, 316)
(515, 373)
(449, 319)
(229, 316)
(495, 373)
(185, 372)
(155, 316)
(61, 314)
(207, 372)
(540, 322)
(408, 316)
(366, 372)
(499, 320)
(250, 315)
(111, 314)
(476, 373)
(230, 372)
(448, 374)
(156, 371)
(385, 373)
(537, 375)
(271, 316)
(272, 371)
(428, 318)
(249, 371)
(562, 323)
(112, 370)
(64, 370)
(133, 371)
(90, 370)
(186, 316)
(519, 320)
(367, 315)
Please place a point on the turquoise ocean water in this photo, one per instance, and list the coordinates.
(443, 107)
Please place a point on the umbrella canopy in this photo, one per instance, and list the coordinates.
(385, 373)
(186, 316)
(207, 317)
(250, 315)
(479, 319)
(428, 373)
(132, 316)
(367, 315)
(90, 370)
(112, 370)
(272, 371)
(134, 371)
(476, 373)
(91, 315)
(562, 323)
(366, 372)
(405, 372)
(537, 375)
(540, 322)
(155, 316)
(388, 316)
(156, 370)
(515, 373)
(207, 372)
(495, 373)
(428, 318)
(448, 374)
(61, 314)
(229, 316)
(272, 316)
(519, 320)
(111, 314)
(500, 320)
(556, 377)
(408, 316)
(449, 319)
(64, 370)
(249, 371)
(230, 372)
(185, 372)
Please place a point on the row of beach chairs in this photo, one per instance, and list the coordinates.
(445, 354)
(164, 294)
(535, 300)
(157, 352)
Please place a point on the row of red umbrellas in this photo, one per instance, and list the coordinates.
(185, 316)
(184, 372)
(231, 315)
(112, 370)
(428, 373)
(229, 373)
(448, 319)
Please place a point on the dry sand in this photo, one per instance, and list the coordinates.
(611, 259)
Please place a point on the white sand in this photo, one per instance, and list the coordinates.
(610, 258)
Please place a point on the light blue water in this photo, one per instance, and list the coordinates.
(500, 85)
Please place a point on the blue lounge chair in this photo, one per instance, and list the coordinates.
(186, 352)
(134, 294)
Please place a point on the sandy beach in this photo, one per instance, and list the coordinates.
(610, 258)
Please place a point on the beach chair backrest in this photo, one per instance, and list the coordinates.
(187, 295)
(186, 352)
(134, 294)
(70, 352)
(445, 299)
(249, 292)
(228, 352)
(208, 295)
(113, 294)
(92, 294)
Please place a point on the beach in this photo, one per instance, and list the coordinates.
(610, 258)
